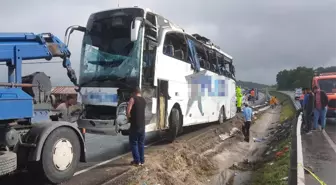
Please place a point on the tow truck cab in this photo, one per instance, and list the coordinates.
(327, 83)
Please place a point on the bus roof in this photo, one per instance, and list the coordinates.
(169, 24)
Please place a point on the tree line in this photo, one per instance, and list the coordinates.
(246, 84)
(299, 77)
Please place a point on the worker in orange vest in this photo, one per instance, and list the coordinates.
(252, 95)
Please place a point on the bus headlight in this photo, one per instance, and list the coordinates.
(121, 110)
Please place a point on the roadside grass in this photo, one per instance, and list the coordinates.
(287, 109)
(275, 170)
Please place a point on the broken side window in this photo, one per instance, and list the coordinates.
(213, 61)
(192, 55)
(148, 30)
(175, 46)
(202, 55)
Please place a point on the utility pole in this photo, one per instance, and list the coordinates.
(118, 3)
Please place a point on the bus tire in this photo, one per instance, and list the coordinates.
(174, 124)
(8, 162)
(60, 156)
(222, 116)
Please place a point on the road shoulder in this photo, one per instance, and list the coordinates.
(320, 157)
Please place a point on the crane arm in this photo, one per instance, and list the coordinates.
(16, 47)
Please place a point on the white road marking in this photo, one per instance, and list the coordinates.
(331, 143)
(107, 161)
(300, 170)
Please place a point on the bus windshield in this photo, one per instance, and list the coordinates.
(328, 85)
(109, 58)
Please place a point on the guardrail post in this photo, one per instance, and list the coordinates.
(292, 176)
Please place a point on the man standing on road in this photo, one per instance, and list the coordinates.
(308, 107)
(320, 108)
(136, 115)
(248, 114)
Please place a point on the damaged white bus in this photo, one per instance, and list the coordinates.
(185, 79)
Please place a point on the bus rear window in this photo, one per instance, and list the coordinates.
(328, 85)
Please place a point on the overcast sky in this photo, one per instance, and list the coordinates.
(263, 36)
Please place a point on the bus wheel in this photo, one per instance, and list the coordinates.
(174, 124)
(60, 155)
(222, 116)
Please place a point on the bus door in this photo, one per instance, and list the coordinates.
(148, 68)
(162, 103)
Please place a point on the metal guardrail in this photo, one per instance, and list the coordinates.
(296, 172)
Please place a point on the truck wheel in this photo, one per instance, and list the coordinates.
(60, 155)
(222, 116)
(174, 124)
(8, 162)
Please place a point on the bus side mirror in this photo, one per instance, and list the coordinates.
(70, 30)
(135, 27)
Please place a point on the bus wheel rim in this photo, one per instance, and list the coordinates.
(62, 154)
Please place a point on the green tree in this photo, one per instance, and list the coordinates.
(299, 77)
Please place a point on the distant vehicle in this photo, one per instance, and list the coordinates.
(297, 93)
(327, 83)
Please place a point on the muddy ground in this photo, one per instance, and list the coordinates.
(204, 158)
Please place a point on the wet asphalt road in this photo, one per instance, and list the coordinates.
(319, 154)
(99, 148)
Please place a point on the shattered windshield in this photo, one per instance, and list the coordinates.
(109, 58)
(328, 85)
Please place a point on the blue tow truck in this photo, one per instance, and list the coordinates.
(30, 136)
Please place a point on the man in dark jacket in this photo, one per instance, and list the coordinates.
(308, 107)
(136, 115)
(320, 107)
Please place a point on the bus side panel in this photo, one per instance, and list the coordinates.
(217, 102)
(233, 106)
(177, 73)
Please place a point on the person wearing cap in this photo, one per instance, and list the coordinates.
(248, 115)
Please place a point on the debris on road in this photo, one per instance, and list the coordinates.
(258, 139)
(224, 136)
(234, 131)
